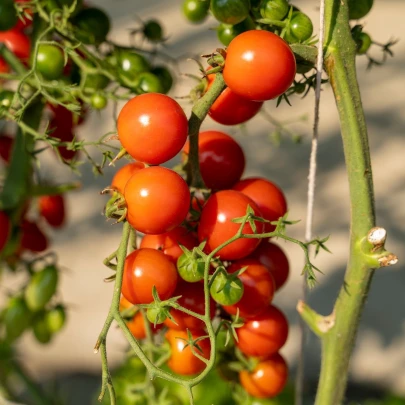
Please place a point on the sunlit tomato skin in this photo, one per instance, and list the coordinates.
(122, 176)
(268, 197)
(6, 145)
(259, 288)
(182, 360)
(152, 128)
(222, 160)
(259, 65)
(216, 226)
(263, 335)
(196, 11)
(192, 298)
(157, 200)
(137, 326)
(169, 242)
(274, 258)
(5, 228)
(16, 42)
(32, 237)
(268, 378)
(230, 108)
(52, 209)
(145, 268)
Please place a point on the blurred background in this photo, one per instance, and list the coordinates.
(379, 356)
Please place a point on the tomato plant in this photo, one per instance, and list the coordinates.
(50, 61)
(52, 209)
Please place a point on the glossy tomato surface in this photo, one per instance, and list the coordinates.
(16, 42)
(259, 288)
(222, 160)
(216, 226)
(145, 268)
(52, 209)
(152, 128)
(5, 228)
(157, 199)
(263, 335)
(268, 196)
(122, 176)
(259, 65)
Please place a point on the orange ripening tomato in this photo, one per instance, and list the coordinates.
(259, 65)
(16, 42)
(6, 145)
(268, 378)
(5, 228)
(259, 288)
(122, 176)
(52, 209)
(32, 237)
(152, 128)
(182, 360)
(144, 269)
(137, 326)
(269, 198)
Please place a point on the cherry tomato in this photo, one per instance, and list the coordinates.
(16, 42)
(153, 31)
(122, 176)
(263, 335)
(157, 200)
(192, 298)
(62, 125)
(359, 8)
(96, 81)
(130, 64)
(165, 77)
(8, 15)
(230, 108)
(267, 379)
(24, 22)
(259, 65)
(227, 32)
(50, 61)
(40, 329)
(190, 267)
(17, 318)
(225, 290)
(230, 11)
(300, 28)
(221, 159)
(93, 25)
(4, 68)
(169, 242)
(268, 197)
(196, 11)
(5, 228)
(55, 318)
(6, 98)
(52, 209)
(152, 128)
(6, 146)
(32, 237)
(182, 360)
(147, 82)
(274, 9)
(216, 226)
(145, 268)
(137, 326)
(274, 258)
(98, 101)
(259, 288)
(363, 43)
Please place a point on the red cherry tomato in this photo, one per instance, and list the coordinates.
(6, 145)
(169, 242)
(221, 159)
(269, 198)
(182, 360)
(216, 226)
(121, 178)
(145, 268)
(64, 134)
(192, 298)
(5, 228)
(158, 200)
(230, 108)
(268, 378)
(258, 286)
(52, 209)
(62, 116)
(4, 68)
(274, 258)
(25, 22)
(259, 65)
(263, 335)
(152, 128)
(16, 42)
(32, 237)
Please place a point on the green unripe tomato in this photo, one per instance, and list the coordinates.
(165, 77)
(17, 318)
(230, 11)
(130, 64)
(153, 31)
(156, 315)
(93, 25)
(98, 101)
(96, 82)
(55, 318)
(226, 32)
(190, 269)
(363, 43)
(196, 11)
(274, 9)
(41, 330)
(8, 15)
(300, 28)
(359, 8)
(148, 83)
(224, 291)
(6, 98)
(50, 61)
(41, 288)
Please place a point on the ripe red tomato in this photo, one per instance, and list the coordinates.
(152, 128)
(259, 65)
(6, 145)
(274, 258)
(192, 298)
(32, 237)
(216, 226)
(267, 379)
(4, 68)
(269, 198)
(263, 335)
(221, 159)
(230, 108)
(145, 268)
(259, 288)
(16, 42)
(5, 228)
(169, 242)
(158, 200)
(25, 22)
(122, 176)
(64, 134)
(182, 360)
(52, 208)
